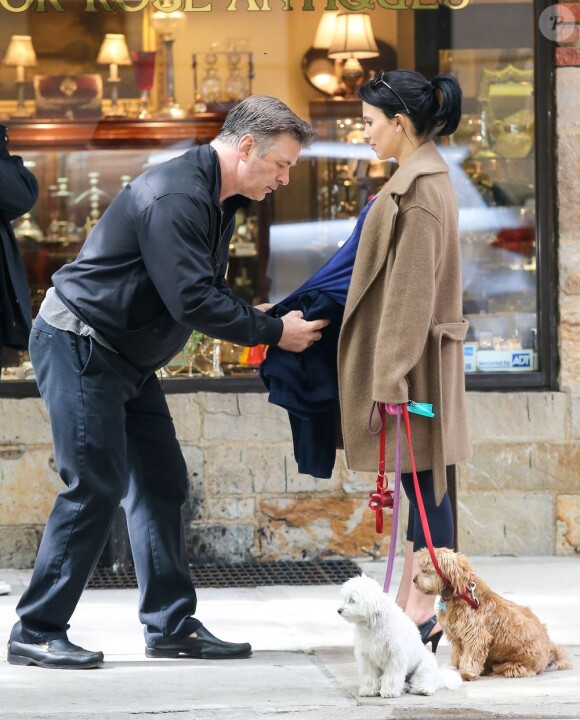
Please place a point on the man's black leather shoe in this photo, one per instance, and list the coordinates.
(200, 644)
(60, 654)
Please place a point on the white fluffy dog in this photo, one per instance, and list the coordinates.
(390, 656)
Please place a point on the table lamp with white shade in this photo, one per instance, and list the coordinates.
(114, 52)
(353, 40)
(20, 54)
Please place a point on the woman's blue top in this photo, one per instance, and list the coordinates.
(333, 278)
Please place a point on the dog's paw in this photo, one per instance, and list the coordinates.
(422, 691)
(368, 691)
(468, 676)
(513, 670)
(451, 678)
(392, 687)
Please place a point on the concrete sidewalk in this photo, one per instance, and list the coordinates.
(302, 666)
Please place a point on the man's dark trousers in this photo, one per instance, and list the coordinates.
(114, 443)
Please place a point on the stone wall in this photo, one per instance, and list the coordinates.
(517, 495)
(247, 499)
(567, 74)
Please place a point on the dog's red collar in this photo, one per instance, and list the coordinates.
(468, 595)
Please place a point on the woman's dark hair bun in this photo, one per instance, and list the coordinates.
(448, 93)
(433, 107)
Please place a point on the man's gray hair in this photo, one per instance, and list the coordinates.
(265, 118)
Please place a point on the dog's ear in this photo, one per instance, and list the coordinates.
(454, 566)
(424, 559)
(368, 598)
(372, 609)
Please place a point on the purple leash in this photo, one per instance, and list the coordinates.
(395, 519)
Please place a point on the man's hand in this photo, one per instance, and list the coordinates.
(299, 334)
(263, 307)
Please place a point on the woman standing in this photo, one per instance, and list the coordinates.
(402, 332)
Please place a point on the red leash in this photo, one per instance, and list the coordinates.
(469, 598)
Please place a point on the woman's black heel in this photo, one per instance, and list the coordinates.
(426, 628)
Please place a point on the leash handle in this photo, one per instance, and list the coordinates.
(382, 497)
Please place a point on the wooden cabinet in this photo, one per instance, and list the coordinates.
(80, 167)
(67, 135)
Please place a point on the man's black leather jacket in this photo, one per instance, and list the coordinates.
(153, 268)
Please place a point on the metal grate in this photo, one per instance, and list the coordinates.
(303, 572)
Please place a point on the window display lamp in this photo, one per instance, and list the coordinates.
(353, 40)
(20, 54)
(114, 52)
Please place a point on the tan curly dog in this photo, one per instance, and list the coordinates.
(496, 638)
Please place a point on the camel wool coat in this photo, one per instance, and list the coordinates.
(402, 333)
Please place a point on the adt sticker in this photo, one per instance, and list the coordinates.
(521, 360)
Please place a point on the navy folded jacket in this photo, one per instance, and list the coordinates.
(306, 383)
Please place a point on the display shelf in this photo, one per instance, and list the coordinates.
(113, 134)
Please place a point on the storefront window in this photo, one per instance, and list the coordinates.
(173, 91)
(489, 47)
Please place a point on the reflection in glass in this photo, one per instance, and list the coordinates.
(211, 85)
(144, 69)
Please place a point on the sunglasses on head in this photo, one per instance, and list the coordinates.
(378, 79)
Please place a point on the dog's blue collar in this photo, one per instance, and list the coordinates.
(440, 605)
